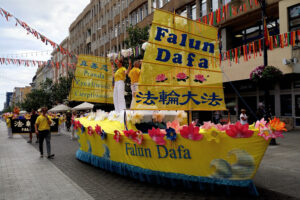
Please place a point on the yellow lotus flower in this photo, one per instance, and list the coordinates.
(213, 134)
(137, 117)
(181, 115)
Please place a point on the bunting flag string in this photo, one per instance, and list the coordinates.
(226, 11)
(38, 63)
(253, 48)
(36, 34)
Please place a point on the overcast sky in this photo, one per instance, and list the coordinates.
(51, 18)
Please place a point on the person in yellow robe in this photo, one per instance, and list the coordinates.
(134, 75)
(42, 127)
(119, 88)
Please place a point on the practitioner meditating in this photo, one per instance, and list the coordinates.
(119, 88)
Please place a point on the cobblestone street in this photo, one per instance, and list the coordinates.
(101, 184)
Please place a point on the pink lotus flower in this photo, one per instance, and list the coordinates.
(175, 125)
(207, 125)
(131, 134)
(261, 124)
(117, 136)
(77, 124)
(199, 78)
(157, 136)
(136, 136)
(222, 127)
(98, 129)
(238, 130)
(181, 76)
(266, 133)
(191, 132)
(90, 131)
(139, 137)
(161, 78)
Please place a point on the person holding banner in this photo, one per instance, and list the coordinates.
(134, 75)
(119, 88)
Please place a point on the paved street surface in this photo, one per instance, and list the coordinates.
(23, 175)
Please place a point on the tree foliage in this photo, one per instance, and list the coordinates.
(48, 94)
(136, 35)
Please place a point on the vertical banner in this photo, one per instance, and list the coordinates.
(92, 81)
(180, 69)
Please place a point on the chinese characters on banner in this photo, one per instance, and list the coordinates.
(24, 125)
(180, 70)
(93, 80)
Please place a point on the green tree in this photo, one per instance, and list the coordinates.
(136, 36)
(48, 94)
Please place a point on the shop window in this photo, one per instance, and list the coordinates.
(271, 103)
(253, 33)
(286, 105)
(294, 17)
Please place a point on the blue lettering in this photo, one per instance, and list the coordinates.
(177, 58)
(195, 46)
(190, 59)
(203, 63)
(183, 40)
(160, 33)
(160, 55)
(211, 47)
(163, 149)
(172, 38)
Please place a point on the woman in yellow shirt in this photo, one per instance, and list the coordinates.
(134, 75)
(119, 89)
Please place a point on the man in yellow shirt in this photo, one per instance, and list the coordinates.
(42, 128)
(134, 75)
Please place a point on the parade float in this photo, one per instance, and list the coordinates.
(156, 141)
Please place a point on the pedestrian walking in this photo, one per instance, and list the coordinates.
(8, 124)
(33, 118)
(42, 127)
(68, 120)
(74, 115)
(243, 117)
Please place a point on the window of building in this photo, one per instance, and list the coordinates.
(203, 6)
(146, 9)
(294, 17)
(141, 14)
(253, 33)
(214, 5)
(154, 3)
(160, 3)
(137, 18)
(193, 12)
(183, 13)
(286, 105)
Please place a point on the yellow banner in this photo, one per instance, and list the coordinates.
(93, 80)
(180, 69)
(230, 158)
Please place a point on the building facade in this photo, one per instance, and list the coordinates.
(9, 96)
(44, 72)
(101, 29)
(61, 61)
(19, 94)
